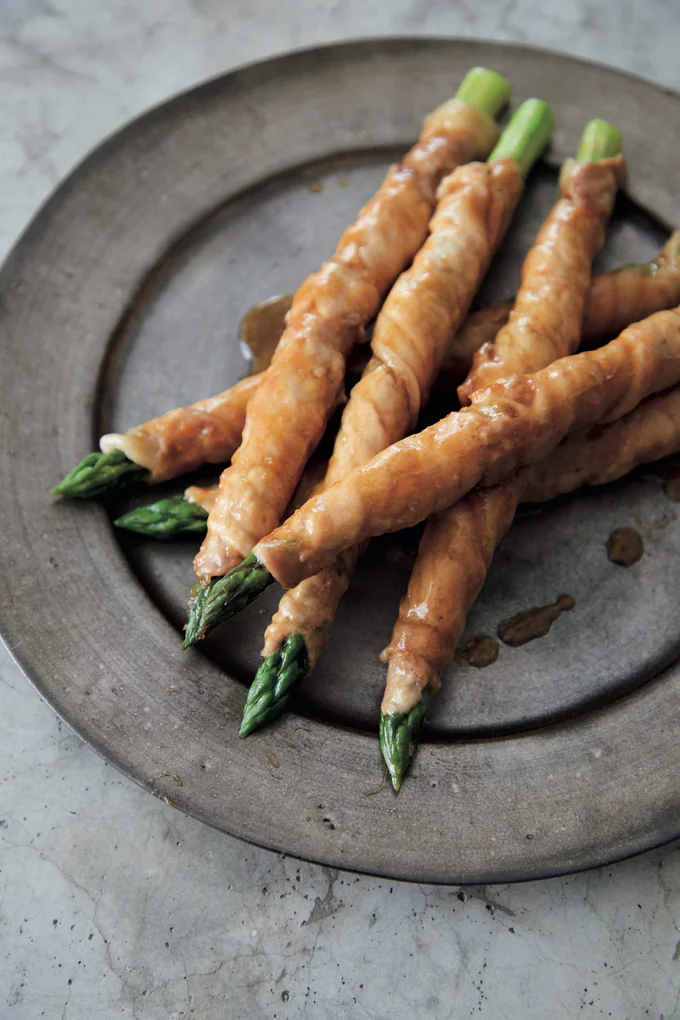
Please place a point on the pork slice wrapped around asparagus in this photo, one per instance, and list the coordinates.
(458, 544)
(179, 441)
(545, 322)
(304, 384)
(614, 300)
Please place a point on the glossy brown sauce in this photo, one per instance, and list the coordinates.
(481, 650)
(533, 623)
(625, 546)
(260, 329)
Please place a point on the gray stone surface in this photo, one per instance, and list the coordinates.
(111, 903)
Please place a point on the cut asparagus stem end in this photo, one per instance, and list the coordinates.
(97, 473)
(527, 133)
(278, 674)
(165, 518)
(399, 737)
(223, 598)
(599, 140)
(486, 89)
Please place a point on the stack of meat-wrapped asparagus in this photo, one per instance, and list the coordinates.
(536, 418)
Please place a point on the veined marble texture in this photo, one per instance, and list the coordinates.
(114, 905)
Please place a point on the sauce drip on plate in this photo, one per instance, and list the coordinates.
(625, 546)
(481, 650)
(533, 623)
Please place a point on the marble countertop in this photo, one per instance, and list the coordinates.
(112, 904)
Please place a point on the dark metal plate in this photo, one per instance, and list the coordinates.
(123, 299)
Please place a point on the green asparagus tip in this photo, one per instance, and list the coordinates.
(97, 473)
(165, 518)
(399, 737)
(223, 598)
(192, 631)
(273, 683)
(599, 140)
(486, 89)
(526, 135)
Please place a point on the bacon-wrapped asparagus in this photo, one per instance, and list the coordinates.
(412, 334)
(289, 412)
(631, 293)
(545, 322)
(615, 299)
(206, 432)
(458, 544)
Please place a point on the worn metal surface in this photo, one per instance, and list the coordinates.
(123, 299)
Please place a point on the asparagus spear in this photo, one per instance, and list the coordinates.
(399, 737)
(213, 603)
(97, 473)
(399, 733)
(273, 683)
(529, 131)
(165, 518)
(207, 431)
